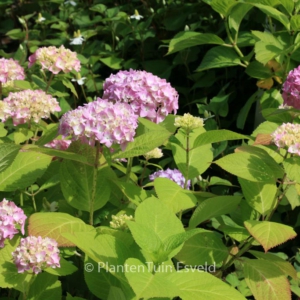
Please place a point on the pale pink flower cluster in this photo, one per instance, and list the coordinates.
(174, 175)
(29, 105)
(101, 121)
(36, 254)
(291, 89)
(11, 217)
(10, 70)
(59, 144)
(150, 96)
(288, 136)
(55, 59)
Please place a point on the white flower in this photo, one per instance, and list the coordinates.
(80, 81)
(77, 40)
(136, 16)
(40, 18)
(71, 2)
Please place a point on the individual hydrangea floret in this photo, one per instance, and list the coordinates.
(188, 122)
(288, 136)
(36, 254)
(59, 144)
(11, 218)
(291, 89)
(150, 96)
(29, 105)
(10, 70)
(174, 175)
(155, 153)
(119, 222)
(101, 121)
(55, 59)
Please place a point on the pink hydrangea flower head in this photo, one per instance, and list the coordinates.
(59, 144)
(36, 254)
(10, 70)
(150, 96)
(174, 175)
(101, 121)
(288, 136)
(29, 105)
(55, 59)
(10, 217)
(291, 89)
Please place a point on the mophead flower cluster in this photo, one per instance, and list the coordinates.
(55, 59)
(150, 96)
(28, 105)
(10, 70)
(36, 254)
(11, 218)
(106, 122)
(291, 89)
(174, 175)
(288, 136)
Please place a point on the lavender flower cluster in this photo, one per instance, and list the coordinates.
(288, 136)
(10, 70)
(174, 175)
(55, 59)
(11, 217)
(150, 96)
(36, 254)
(100, 121)
(291, 89)
(28, 105)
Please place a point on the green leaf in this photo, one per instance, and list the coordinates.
(144, 143)
(213, 207)
(58, 153)
(66, 268)
(147, 285)
(53, 225)
(96, 277)
(200, 158)
(22, 134)
(174, 196)
(202, 285)
(187, 39)
(270, 234)
(285, 266)
(49, 134)
(265, 280)
(219, 57)
(257, 70)
(222, 6)
(8, 153)
(77, 181)
(243, 114)
(43, 85)
(3, 131)
(108, 252)
(293, 196)
(274, 13)
(259, 195)
(247, 166)
(112, 62)
(45, 287)
(292, 168)
(24, 171)
(69, 85)
(264, 52)
(204, 248)
(237, 14)
(215, 136)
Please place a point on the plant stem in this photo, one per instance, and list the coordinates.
(49, 82)
(33, 199)
(143, 173)
(0, 90)
(187, 158)
(234, 45)
(95, 174)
